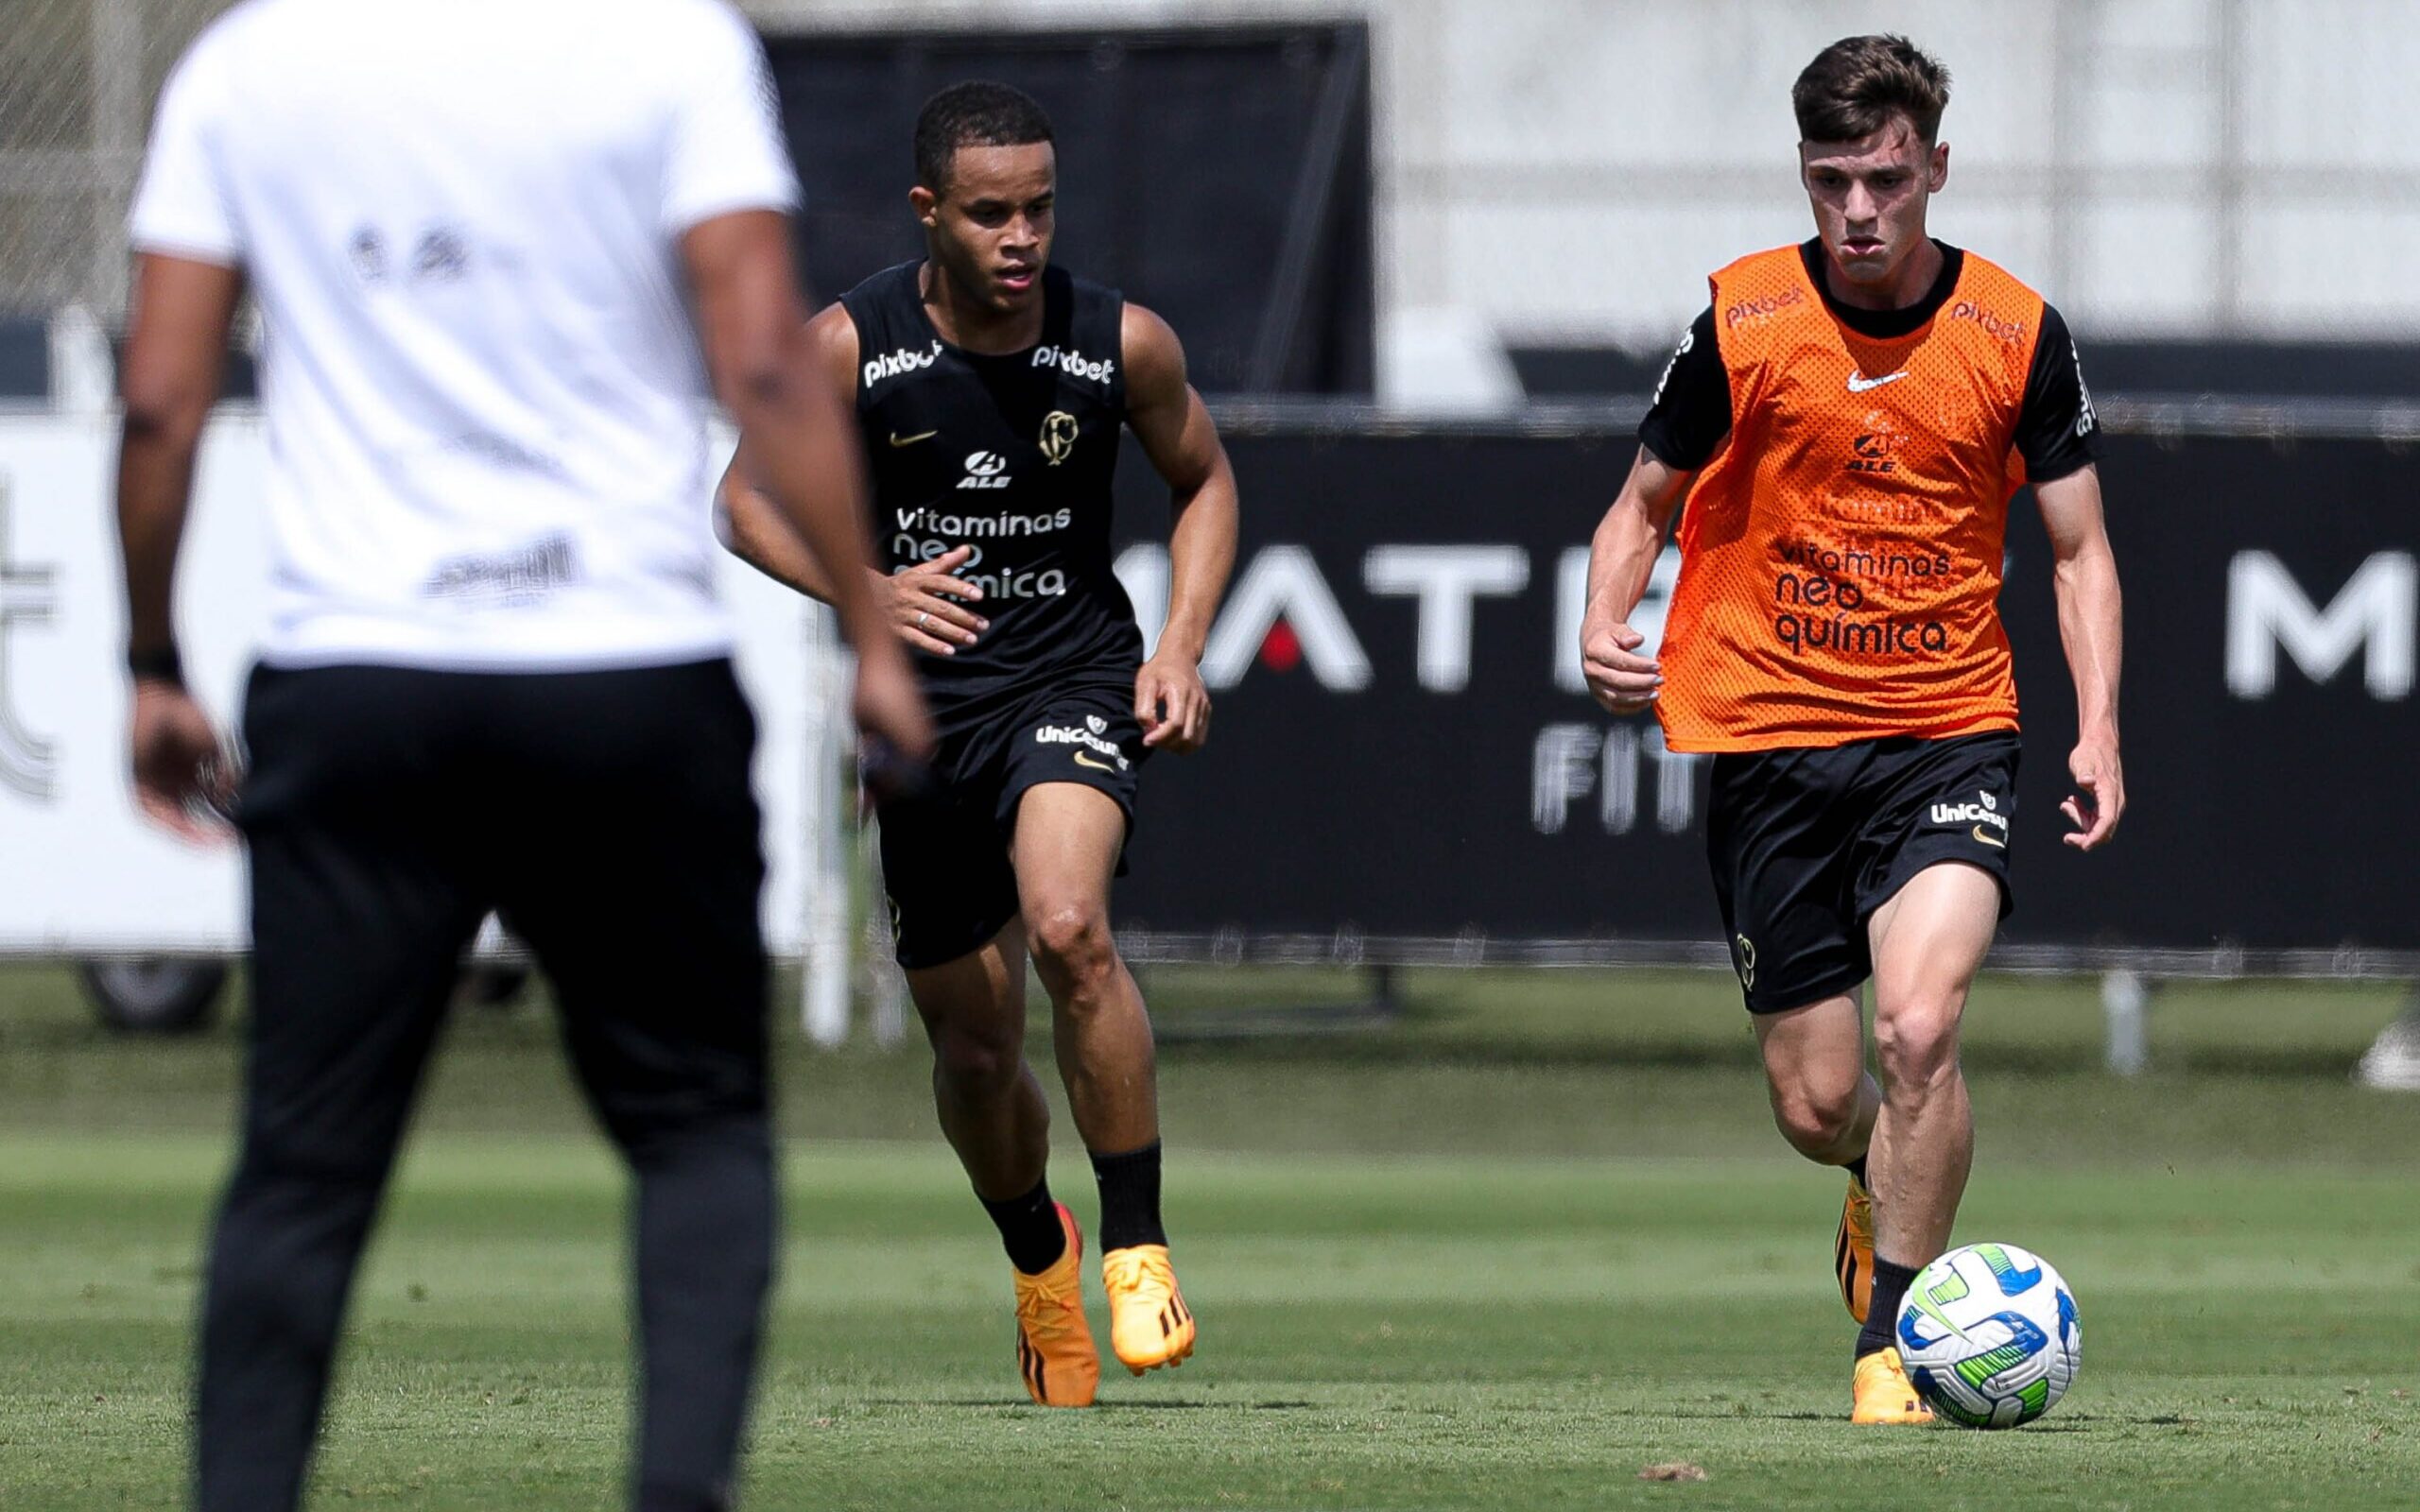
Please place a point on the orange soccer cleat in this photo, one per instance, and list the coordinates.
(1055, 1351)
(1150, 1326)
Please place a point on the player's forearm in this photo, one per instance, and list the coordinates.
(167, 382)
(155, 482)
(1202, 556)
(1621, 558)
(799, 439)
(801, 449)
(761, 536)
(2091, 628)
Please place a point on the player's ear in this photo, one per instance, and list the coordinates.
(1936, 173)
(925, 202)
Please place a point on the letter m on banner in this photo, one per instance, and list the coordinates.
(2375, 614)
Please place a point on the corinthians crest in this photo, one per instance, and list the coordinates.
(1058, 436)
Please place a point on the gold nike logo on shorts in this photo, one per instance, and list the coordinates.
(1082, 760)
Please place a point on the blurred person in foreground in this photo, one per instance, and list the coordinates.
(1848, 424)
(500, 252)
(990, 388)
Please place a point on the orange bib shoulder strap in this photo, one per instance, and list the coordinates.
(1765, 305)
(1762, 296)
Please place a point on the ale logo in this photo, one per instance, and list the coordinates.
(1058, 436)
(985, 470)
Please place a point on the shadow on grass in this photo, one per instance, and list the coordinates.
(1021, 1406)
(2064, 1425)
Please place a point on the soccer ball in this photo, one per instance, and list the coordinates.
(1989, 1336)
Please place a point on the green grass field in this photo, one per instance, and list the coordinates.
(1504, 1253)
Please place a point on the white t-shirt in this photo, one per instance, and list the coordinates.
(485, 398)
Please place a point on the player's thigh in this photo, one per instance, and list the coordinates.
(946, 880)
(1069, 837)
(1072, 778)
(1779, 827)
(1930, 938)
(365, 889)
(1933, 874)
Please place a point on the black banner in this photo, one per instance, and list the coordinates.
(1402, 746)
(1176, 147)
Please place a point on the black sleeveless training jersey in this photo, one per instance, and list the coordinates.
(1012, 455)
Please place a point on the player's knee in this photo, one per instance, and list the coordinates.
(1916, 1041)
(1818, 1122)
(1072, 946)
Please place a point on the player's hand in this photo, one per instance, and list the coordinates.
(184, 777)
(2101, 798)
(927, 606)
(1623, 681)
(891, 718)
(1172, 704)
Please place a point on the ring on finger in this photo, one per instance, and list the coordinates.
(922, 617)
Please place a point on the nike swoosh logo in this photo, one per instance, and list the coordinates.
(1990, 839)
(1860, 382)
(897, 439)
(1082, 760)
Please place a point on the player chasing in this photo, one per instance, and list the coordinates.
(1847, 423)
(990, 388)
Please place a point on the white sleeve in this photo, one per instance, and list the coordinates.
(726, 152)
(183, 206)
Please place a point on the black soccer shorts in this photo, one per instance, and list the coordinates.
(945, 852)
(1806, 844)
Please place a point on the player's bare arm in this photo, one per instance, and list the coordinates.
(2091, 628)
(1169, 419)
(797, 431)
(754, 529)
(925, 605)
(1620, 560)
(175, 347)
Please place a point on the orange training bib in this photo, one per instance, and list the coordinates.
(1840, 555)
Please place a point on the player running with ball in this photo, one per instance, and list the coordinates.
(1847, 423)
(991, 388)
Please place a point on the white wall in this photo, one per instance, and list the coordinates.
(1571, 169)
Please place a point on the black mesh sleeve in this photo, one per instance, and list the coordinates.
(2057, 433)
(1691, 413)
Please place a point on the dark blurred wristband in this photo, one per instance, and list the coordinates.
(161, 664)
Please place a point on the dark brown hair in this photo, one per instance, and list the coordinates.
(1856, 85)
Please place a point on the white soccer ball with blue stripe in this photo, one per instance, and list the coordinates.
(1989, 1336)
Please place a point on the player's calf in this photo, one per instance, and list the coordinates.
(1924, 1144)
(977, 1066)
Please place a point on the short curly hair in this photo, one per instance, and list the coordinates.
(976, 113)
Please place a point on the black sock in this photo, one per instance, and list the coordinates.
(1880, 1333)
(1029, 1228)
(1857, 1169)
(1130, 1199)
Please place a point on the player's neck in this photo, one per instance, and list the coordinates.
(1906, 288)
(970, 326)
